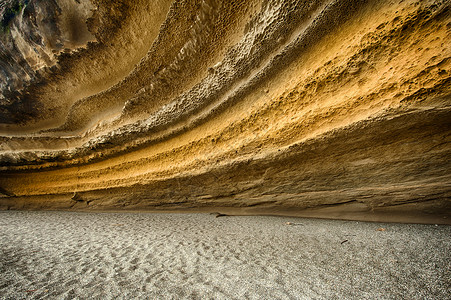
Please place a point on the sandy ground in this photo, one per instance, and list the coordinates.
(66, 255)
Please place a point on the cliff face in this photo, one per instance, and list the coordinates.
(319, 108)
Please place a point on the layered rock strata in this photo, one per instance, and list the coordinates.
(318, 108)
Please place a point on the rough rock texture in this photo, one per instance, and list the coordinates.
(320, 108)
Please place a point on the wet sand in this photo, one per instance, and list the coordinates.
(67, 255)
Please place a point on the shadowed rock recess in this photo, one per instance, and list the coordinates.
(336, 109)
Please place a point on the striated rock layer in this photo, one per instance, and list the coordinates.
(335, 109)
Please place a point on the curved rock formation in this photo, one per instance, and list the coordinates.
(320, 108)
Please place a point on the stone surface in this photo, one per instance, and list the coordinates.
(335, 109)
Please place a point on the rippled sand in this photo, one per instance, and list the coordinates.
(65, 255)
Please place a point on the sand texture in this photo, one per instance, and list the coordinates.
(68, 255)
(265, 104)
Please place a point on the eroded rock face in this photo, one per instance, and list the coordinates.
(320, 108)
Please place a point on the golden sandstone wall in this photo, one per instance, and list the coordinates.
(335, 109)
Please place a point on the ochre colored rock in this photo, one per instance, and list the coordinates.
(336, 109)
